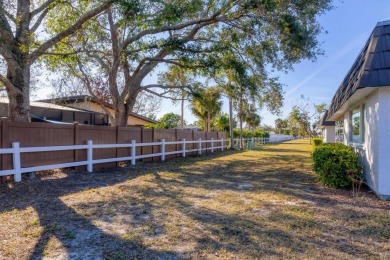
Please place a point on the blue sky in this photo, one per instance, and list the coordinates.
(349, 25)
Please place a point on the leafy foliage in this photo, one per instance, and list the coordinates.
(168, 121)
(317, 142)
(258, 133)
(206, 104)
(221, 123)
(332, 162)
(244, 38)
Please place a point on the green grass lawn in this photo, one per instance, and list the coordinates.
(264, 203)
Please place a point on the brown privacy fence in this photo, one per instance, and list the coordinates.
(45, 135)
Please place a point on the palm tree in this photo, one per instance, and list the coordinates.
(206, 104)
(181, 78)
(221, 122)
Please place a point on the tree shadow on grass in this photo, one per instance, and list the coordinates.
(78, 234)
(277, 234)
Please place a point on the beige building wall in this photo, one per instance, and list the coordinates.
(92, 106)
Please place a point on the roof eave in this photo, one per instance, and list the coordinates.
(359, 96)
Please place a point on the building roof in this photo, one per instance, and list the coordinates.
(47, 105)
(370, 69)
(324, 122)
(82, 98)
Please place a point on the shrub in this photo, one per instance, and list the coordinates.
(317, 142)
(331, 163)
(236, 133)
(248, 134)
(260, 134)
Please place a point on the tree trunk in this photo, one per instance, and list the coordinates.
(124, 106)
(182, 110)
(120, 115)
(19, 93)
(208, 122)
(231, 125)
(240, 108)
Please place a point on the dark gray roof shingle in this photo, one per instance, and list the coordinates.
(370, 69)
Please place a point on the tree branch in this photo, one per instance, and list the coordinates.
(6, 82)
(164, 86)
(162, 95)
(170, 28)
(8, 14)
(87, 83)
(39, 20)
(44, 6)
(6, 35)
(72, 29)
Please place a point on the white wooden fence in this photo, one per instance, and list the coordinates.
(16, 151)
(250, 143)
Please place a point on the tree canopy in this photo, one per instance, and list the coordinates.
(24, 39)
(124, 41)
(132, 39)
(168, 121)
(206, 104)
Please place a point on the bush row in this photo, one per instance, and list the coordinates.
(248, 134)
(333, 162)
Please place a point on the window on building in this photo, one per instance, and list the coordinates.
(340, 131)
(357, 124)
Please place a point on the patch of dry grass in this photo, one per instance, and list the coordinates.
(264, 203)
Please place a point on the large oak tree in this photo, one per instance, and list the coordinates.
(131, 40)
(23, 40)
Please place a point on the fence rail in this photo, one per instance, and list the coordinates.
(16, 152)
(30, 147)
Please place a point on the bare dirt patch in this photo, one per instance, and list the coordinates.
(264, 203)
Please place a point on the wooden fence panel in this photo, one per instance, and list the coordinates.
(148, 135)
(38, 134)
(169, 135)
(188, 136)
(43, 134)
(125, 136)
(99, 135)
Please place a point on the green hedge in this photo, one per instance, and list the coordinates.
(248, 134)
(317, 142)
(331, 163)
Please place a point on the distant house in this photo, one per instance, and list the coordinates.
(52, 113)
(361, 109)
(190, 128)
(328, 129)
(91, 104)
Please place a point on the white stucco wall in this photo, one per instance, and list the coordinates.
(384, 142)
(329, 134)
(369, 153)
(375, 152)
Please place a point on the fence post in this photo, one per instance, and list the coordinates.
(184, 148)
(177, 145)
(162, 149)
(222, 144)
(218, 135)
(212, 145)
(142, 139)
(76, 137)
(153, 136)
(253, 143)
(4, 144)
(200, 146)
(90, 156)
(117, 142)
(16, 162)
(193, 139)
(132, 152)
